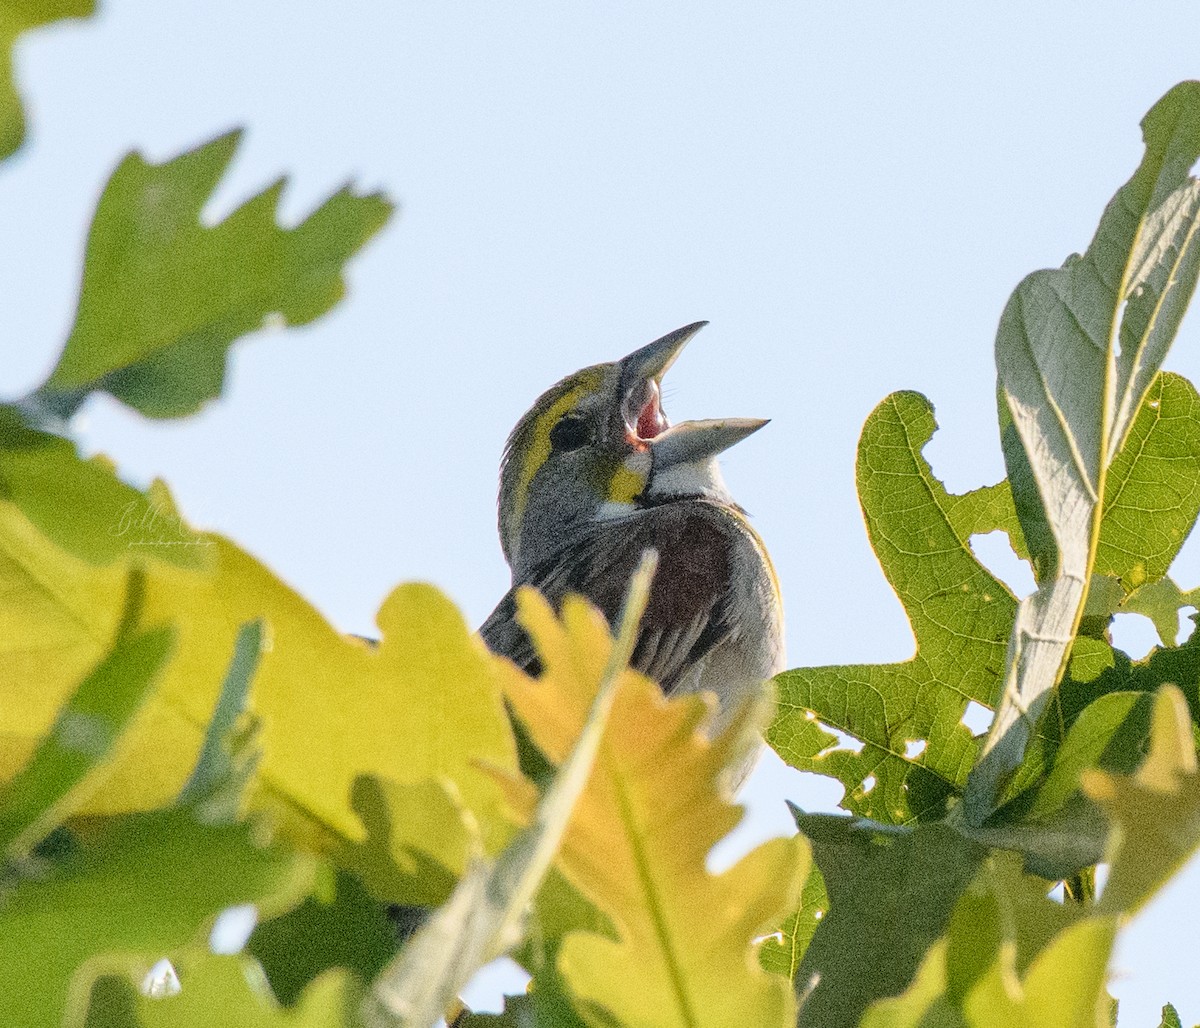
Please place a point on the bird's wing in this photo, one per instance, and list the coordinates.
(688, 612)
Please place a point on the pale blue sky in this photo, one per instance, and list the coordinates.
(848, 192)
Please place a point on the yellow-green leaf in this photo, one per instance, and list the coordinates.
(1156, 812)
(638, 843)
(224, 991)
(424, 704)
(15, 19)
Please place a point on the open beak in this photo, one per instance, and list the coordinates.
(691, 441)
(645, 423)
(653, 359)
(641, 384)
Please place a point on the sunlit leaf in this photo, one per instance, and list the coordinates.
(1089, 738)
(88, 728)
(960, 614)
(166, 292)
(1161, 602)
(1011, 956)
(161, 878)
(332, 708)
(83, 506)
(1152, 488)
(921, 535)
(1170, 1018)
(1076, 353)
(224, 991)
(1156, 812)
(482, 918)
(638, 843)
(1064, 988)
(783, 954)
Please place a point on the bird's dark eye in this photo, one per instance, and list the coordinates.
(569, 433)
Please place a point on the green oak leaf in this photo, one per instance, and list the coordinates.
(89, 727)
(481, 919)
(960, 614)
(163, 878)
(83, 507)
(346, 928)
(1094, 740)
(1115, 733)
(16, 18)
(921, 535)
(164, 294)
(1156, 811)
(1010, 955)
(1063, 988)
(784, 954)
(224, 991)
(1077, 352)
(891, 894)
(1170, 1017)
(1161, 601)
(1152, 490)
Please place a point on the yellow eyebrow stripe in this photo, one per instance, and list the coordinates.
(539, 440)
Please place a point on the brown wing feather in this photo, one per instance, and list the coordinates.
(687, 614)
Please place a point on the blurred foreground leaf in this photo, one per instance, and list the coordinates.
(314, 691)
(348, 929)
(137, 889)
(88, 728)
(224, 992)
(483, 917)
(639, 839)
(17, 17)
(890, 899)
(82, 506)
(1156, 811)
(1013, 956)
(166, 292)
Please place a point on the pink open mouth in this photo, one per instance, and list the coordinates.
(651, 421)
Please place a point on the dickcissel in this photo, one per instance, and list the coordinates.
(593, 476)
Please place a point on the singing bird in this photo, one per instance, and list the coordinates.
(592, 476)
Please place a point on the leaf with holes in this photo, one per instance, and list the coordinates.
(782, 952)
(1010, 955)
(960, 614)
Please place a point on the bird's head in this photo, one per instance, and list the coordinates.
(598, 445)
